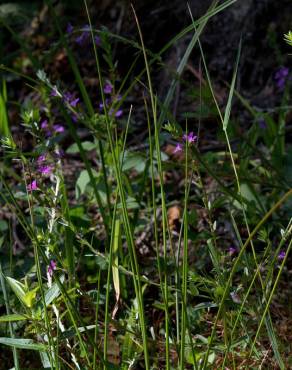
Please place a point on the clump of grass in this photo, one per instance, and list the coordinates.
(110, 279)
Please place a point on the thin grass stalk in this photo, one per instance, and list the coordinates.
(271, 296)
(163, 204)
(163, 285)
(52, 356)
(110, 262)
(96, 318)
(11, 331)
(127, 226)
(184, 267)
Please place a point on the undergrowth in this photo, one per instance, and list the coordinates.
(128, 250)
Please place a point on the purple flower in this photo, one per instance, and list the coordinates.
(32, 186)
(262, 123)
(231, 251)
(42, 158)
(108, 88)
(82, 39)
(46, 170)
(70, 99)
(44, 124)
(52, 267)
(190, 138)
(58, 128)
(74, 117)
(119, 113)
(74, 102)
(281, 255)
(54, 91)
(97, 40)
(107, 101)
(281, 77)
(178, 148)
(69, 28)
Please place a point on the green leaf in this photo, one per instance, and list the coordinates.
(18, 288)
(134, 160)
(82, 181)
(87, 146)
(23, 344)
(53, 292)
(29, 297)
(231, 92)
(13, 317)
(130, 202)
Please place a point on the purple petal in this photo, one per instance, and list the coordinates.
(69, 28)
(74, 102)
(42, 158)
(108, 88)
(44, 124)
(178, 148)
(119, 113)
(97, 40)
(46, 170)
(32, 186)
(281, 255)
(58, 128)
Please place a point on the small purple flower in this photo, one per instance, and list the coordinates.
(74, 102)
(42, 158)
(108, 88)
(107, 101)
(281, 255)
(74, 117)
(82, 39)
(54, 91)
(58, 128)
(69, 28)
(119, 113)
(97, 40)
(52, 267)
(32, 186)
(44, 124)
(281, 76)
(262, 123)
(70, 99)
(178, 148)
(231, 251)
(190, 138)
(46, 170)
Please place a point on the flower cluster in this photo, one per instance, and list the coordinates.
(52, 267)
(281, 255)
(50, 130)
(187, 138)
(44, 167)
(70, 100)
(84, 37)
(108, 90)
